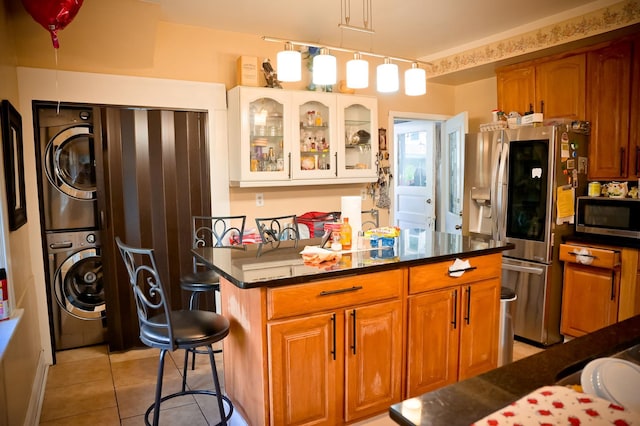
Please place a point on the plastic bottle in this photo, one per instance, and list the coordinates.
(5, 312)
(345, 234)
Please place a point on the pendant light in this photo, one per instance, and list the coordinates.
(415, 81)
(289, 64)
(324, 68)
(357, 72)
(388, 80)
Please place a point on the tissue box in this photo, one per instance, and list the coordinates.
(531, 118)
(247, 71)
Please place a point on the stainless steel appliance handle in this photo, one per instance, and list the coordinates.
(502, 184)
(493, 192)
(518, 268)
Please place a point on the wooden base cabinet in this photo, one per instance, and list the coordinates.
(453, 331)
(591, 289)
(348, 358)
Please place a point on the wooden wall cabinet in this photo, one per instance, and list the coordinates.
(612, 155)
(555, 87)
(591, 289)
(453, 323)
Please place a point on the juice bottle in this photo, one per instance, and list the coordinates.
(345, 234)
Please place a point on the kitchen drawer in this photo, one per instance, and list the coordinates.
(436, 275)
(338, 293)
(591, 256)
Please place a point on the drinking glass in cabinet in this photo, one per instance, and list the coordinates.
(266, 135)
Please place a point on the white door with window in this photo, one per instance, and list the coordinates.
(414, 183)
(453, 172)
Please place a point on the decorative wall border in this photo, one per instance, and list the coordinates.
(617, 16)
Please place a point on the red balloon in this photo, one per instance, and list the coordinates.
(53, 15)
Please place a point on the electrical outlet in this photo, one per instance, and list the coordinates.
(363, 194)
(260, 199)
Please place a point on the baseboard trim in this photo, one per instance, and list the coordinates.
(32, 416)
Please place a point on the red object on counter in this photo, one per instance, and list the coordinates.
(5, 312)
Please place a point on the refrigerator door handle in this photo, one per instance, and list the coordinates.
(518, 268)
(502, 184)
(493, 195)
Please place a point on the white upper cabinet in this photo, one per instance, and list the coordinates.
(359, 134)
(284, 137)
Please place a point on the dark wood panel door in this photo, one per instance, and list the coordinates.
(153, 175)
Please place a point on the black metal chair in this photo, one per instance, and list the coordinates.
(274, 230)
(168, 330)
(211, 231)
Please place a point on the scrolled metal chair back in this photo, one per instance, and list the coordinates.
(152, 305)
(273, 230)
(218, 231)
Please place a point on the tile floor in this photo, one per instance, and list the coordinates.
(89, 386)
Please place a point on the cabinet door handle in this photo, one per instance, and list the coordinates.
(467, 318)
(340, 290)
(353, 342)
(613, 285)
(336, 154)
(455, 309)
(573, 253)
(289, 165)
(531, 107)
(333, 325)
(622, 157)
(470, 268)
(638, 161)
(542, 107)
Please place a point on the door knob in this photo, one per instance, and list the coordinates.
(458, 227)
(428, 200)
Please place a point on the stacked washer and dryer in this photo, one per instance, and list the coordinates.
(68, 204)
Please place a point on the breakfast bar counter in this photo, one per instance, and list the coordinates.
(341, 340)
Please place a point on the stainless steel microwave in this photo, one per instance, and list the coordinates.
(618, 217)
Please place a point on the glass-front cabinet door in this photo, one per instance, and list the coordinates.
(259, 143)
(359, 128)
(314, 136)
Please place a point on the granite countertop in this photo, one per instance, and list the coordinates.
(257, 265)
(603, 240)
(470, 400)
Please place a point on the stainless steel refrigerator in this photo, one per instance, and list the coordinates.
(516, 183)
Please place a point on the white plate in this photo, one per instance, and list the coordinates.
(588, 376)
(619, 381)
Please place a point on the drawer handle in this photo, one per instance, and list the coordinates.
(572, 253)
(470, 268)
(341, 290)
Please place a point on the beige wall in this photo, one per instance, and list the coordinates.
(104, 38)
(19, 367)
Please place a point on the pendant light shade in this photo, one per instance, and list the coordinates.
(357, 72)
(324, 68)
(387, 77)
(415, 81)
(289, 64)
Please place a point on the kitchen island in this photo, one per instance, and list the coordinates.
(341, 341)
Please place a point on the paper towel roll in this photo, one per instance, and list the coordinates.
(352, 208)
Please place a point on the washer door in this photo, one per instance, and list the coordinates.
(79, 287)
(70, 162)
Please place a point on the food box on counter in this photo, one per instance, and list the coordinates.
(247, 71)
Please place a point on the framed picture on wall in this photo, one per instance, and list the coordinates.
(382, 139)
(11, 123)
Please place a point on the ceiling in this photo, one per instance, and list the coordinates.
(420, 29)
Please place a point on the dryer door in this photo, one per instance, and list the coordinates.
(79, 287)
(70, 162)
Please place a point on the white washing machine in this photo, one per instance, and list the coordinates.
(76, 287)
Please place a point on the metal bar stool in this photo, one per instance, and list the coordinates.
(168, 330)
(210, 231)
